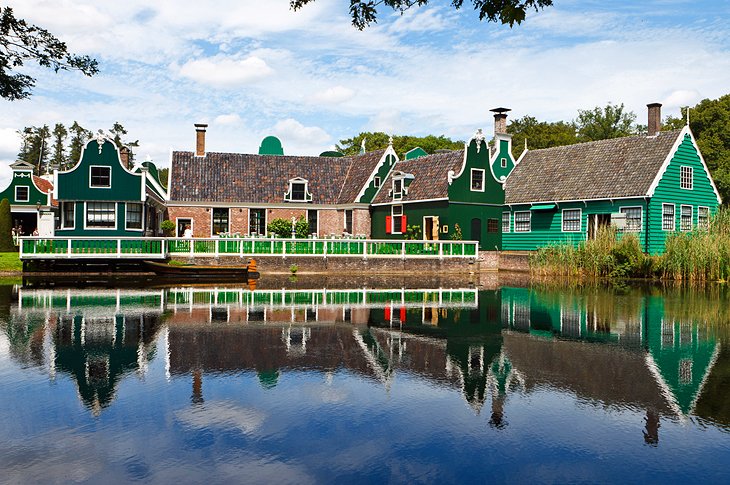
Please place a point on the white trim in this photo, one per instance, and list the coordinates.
(63, 214)
(529, 213)
(503, 162)
(471, 179)
(691, 177)
(388, 151)
(86, 215)
(211, 220)
(177, 223)
(691, 217)
(562, 220)
(307, 194)
(670, 156)
(248, 226)
(674, 217)
(376, 182)
(91, 167)
(400, 179)
(27, 194)
(400, 202)
(126, 218)
(708, 216)
(463, 162)
(558, 202)
(509, 222)
(317, 211)
(493, 158)
(392, 219)
(344, 220)
(641, 217)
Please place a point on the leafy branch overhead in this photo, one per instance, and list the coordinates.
(20, 43)
(364, 13)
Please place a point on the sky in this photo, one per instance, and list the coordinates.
(250, 69)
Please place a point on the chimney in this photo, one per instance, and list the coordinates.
(124, 156)
(500, 120)
(200, 139)
(655, 118)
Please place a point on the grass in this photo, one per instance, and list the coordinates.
(10, 262)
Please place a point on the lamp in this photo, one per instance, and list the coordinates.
(38, 205)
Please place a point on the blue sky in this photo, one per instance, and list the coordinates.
(251, 68)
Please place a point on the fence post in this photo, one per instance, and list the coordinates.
(325, 249)
(215, 249)
(68, 248)
(163, 248)
(192, 245)
(119, 248)
(403, 250)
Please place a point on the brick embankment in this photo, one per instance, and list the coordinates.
(518, 261)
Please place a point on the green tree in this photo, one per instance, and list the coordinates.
(6, 238)
(301, 228)
(58, 159)
(164, 176)
(279, 226)
(611, 121)
(540, 134)
(118, 132)
(401, 144)
(79, 136)
(365, 12)
(21, 42)
(35, 147)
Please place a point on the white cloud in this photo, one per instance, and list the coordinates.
(225, 72)
(9, 143)
(290, 130)
(229, 119)
(681, 98)
(334, 95)
(222, 414)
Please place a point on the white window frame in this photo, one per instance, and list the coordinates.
(126, 217)
(641, 217)
(471, 179)
(177, 223)
(398, 195)
(91, 186)
(706, 225)
(63, 216)
(316, 231)
(681, 218)
(94, 228)
(248, 226)
(503, 162)
(674, 217)
(689, 178)
(393, 215)
(509, 221)
(289, 196)
(212, 210)
(529, 221)
(562, 219)
(376, 181)
(27, 194)
(344, 220)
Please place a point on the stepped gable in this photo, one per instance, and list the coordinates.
(360, 170)
(431, 177)
(619, 167)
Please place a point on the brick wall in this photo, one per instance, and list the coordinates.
(331, 222)
(361, 222)
(201, 218)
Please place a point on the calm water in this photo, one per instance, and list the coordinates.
(457, 385)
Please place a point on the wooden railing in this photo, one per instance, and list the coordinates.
(162, 248)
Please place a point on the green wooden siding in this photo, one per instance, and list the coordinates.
(383, 171)
(505, 152)
(668, 191)
(118, 230)
(22, 178)
(460, 188)
(547, 228)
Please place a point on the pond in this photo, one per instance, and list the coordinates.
(307, 383)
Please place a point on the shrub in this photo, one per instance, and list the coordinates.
(279, 226)
(168, 227)
(6, 237)
(456, 235)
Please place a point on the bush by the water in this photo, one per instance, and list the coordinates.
(6, 238)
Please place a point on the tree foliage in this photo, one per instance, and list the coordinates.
(611, 121)
(35, 147)
(365, 12)
(401, 144)
(79, 135)
(540, 134)
(6, 238)
(59, 145)
(21, 42)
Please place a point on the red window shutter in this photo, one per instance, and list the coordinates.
(403, 224)
(387, 313)
(388, 224)
(403, 313)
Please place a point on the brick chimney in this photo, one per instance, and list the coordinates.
(655, 118)
(124, 156)
(200, 139)
(500, 120)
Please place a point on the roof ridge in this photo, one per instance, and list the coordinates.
(607, 140)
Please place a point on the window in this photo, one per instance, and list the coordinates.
(503, 163)
(685, 218)
(703, 217)
(522, 221)
(505, 221)
(67, 221)
(220, 220)
(667, 217)
(101, 215)
(477, 180)
(492, 225)
(134, 216)
(633, 218)
(376, 182)
(298, 191)
(572, 220)
(397, 189)
(397, 212)
(21, 193)
(312, 220)
(348, 221)
(100, 177)
(257, 221)
(685, 177)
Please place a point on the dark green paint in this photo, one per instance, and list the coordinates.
(271, 145)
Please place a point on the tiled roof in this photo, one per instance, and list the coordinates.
(431, 176)
(45, 186)
(619, 167)
(264, 179)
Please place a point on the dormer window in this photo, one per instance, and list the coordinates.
(477, 180)
(397, 189)
(100, 177)
(298, 191)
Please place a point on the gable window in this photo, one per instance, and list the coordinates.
(134, 216)
(21, 193)
(100, 177)
(523, 221)
(477, 180)
(101, 215)
(298, 191)
(220, 221)
(633, 218)
(376, 182)
(572, 220)
(397, 213)
(685, 219)
(503, 163)
(686, 177)
(67, 215)
(397, 189)
(703, 217)
(505, 221)
(667, 217)
(257, 221)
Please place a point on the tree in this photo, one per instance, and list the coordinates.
(21, 42)
(164, 176)
(117, 131)
(540, 134)
(610, 121)
(58, 159)
(6, 238)
(365, 12)
(401, 144)
(79, 136)
(34, 148)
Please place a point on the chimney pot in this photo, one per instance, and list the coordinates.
(500, 120)
(655, 118)
(200, 139)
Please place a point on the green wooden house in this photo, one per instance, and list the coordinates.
(650, 186)
(101, 196)
(31, 204)
(450, 195)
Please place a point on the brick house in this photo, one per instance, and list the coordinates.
(241, 193)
